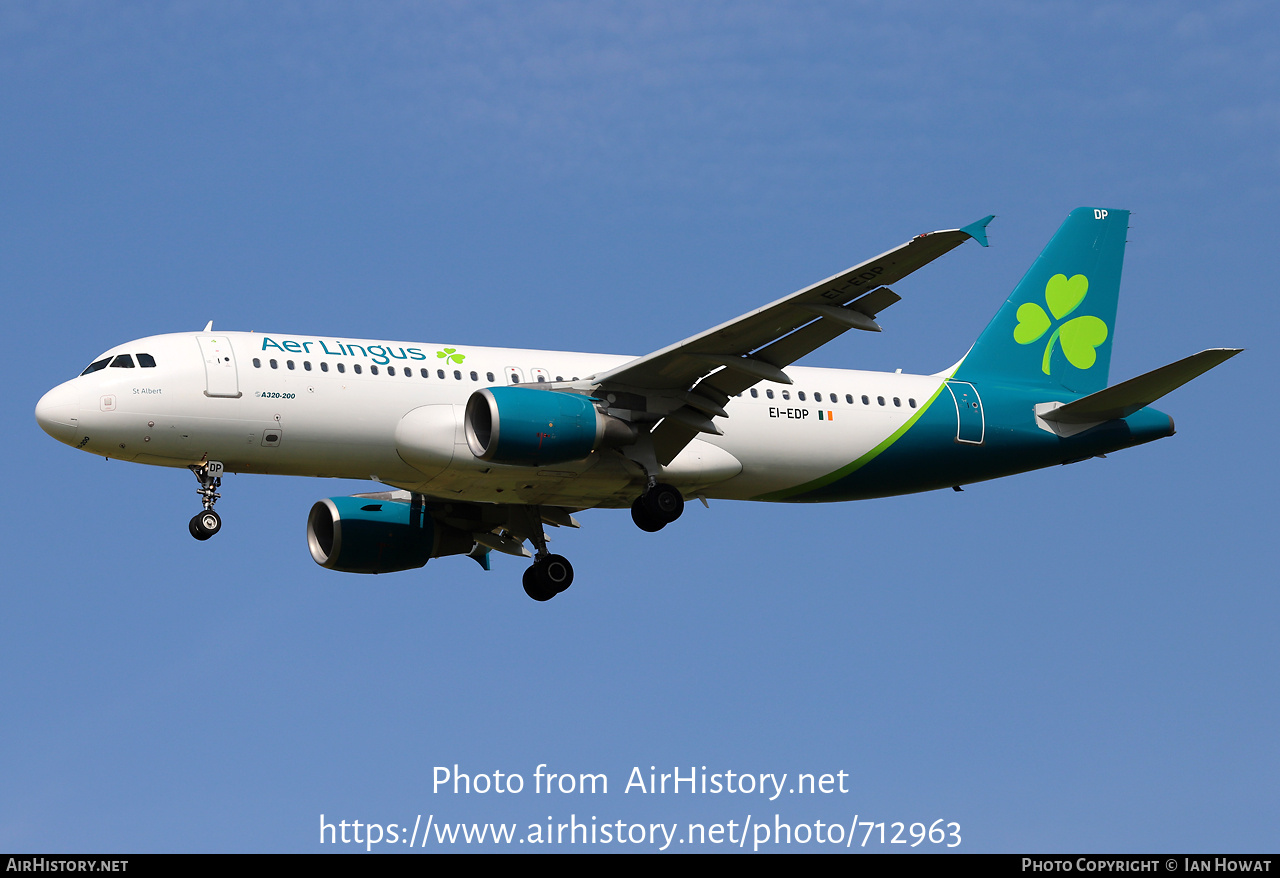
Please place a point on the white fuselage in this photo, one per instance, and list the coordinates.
(392, 412)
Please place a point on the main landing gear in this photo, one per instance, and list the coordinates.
(550, 574)
(207, 523)
(657, 507)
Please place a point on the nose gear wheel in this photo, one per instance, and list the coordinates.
(207, 523)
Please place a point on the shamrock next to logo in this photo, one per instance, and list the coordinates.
(450, 355)
(1080, 336)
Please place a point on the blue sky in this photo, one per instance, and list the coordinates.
(1075, 659)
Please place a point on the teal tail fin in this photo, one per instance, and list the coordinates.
(1057, 327)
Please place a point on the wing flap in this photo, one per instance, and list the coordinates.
(678, 366)
(728, 359)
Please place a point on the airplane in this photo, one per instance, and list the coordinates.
(479, 449)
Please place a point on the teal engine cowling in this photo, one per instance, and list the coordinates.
(524, 425)
(364, 535)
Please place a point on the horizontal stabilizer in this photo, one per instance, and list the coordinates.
(1127, 397)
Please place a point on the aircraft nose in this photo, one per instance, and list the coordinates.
(58, 413)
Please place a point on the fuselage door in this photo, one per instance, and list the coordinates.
(219, 366)
(970, 424)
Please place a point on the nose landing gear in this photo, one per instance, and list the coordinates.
(207, 523)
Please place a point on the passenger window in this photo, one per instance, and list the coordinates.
(289, 363)
(273, 364)
(342, 367)
(373, 370)
(817, 397)
(755, 394)
(848, 397)
(408, 373)
(880, 399)
(306, 364)
(559, 377)
(356, 368)
(800, 395)
(257, 364)
(457, 374)
(146, 361)
(391, 370)
(865, 400)
(897, 402)
(96, 365)
(324, 367)
(488, 376)
(475, 377)
(786, 394)
(912, 402)
(425, 373)
(769, 393)
(124, 361)
(439, 373)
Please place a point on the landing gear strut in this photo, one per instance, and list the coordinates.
(207, 523)
(550, 574)
(657, 507)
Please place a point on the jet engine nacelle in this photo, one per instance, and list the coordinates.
(524, 425)
(362, 535)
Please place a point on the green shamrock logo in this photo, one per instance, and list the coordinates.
(1080, 336)
(451, 355)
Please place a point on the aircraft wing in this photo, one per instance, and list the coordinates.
(689, 382)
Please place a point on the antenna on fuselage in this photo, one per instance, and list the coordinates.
(208, 327)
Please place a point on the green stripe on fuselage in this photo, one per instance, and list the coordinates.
(928, 456)
(790, 493)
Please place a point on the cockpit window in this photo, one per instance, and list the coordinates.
(124, 361)
(146, 361)
(96, 365)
